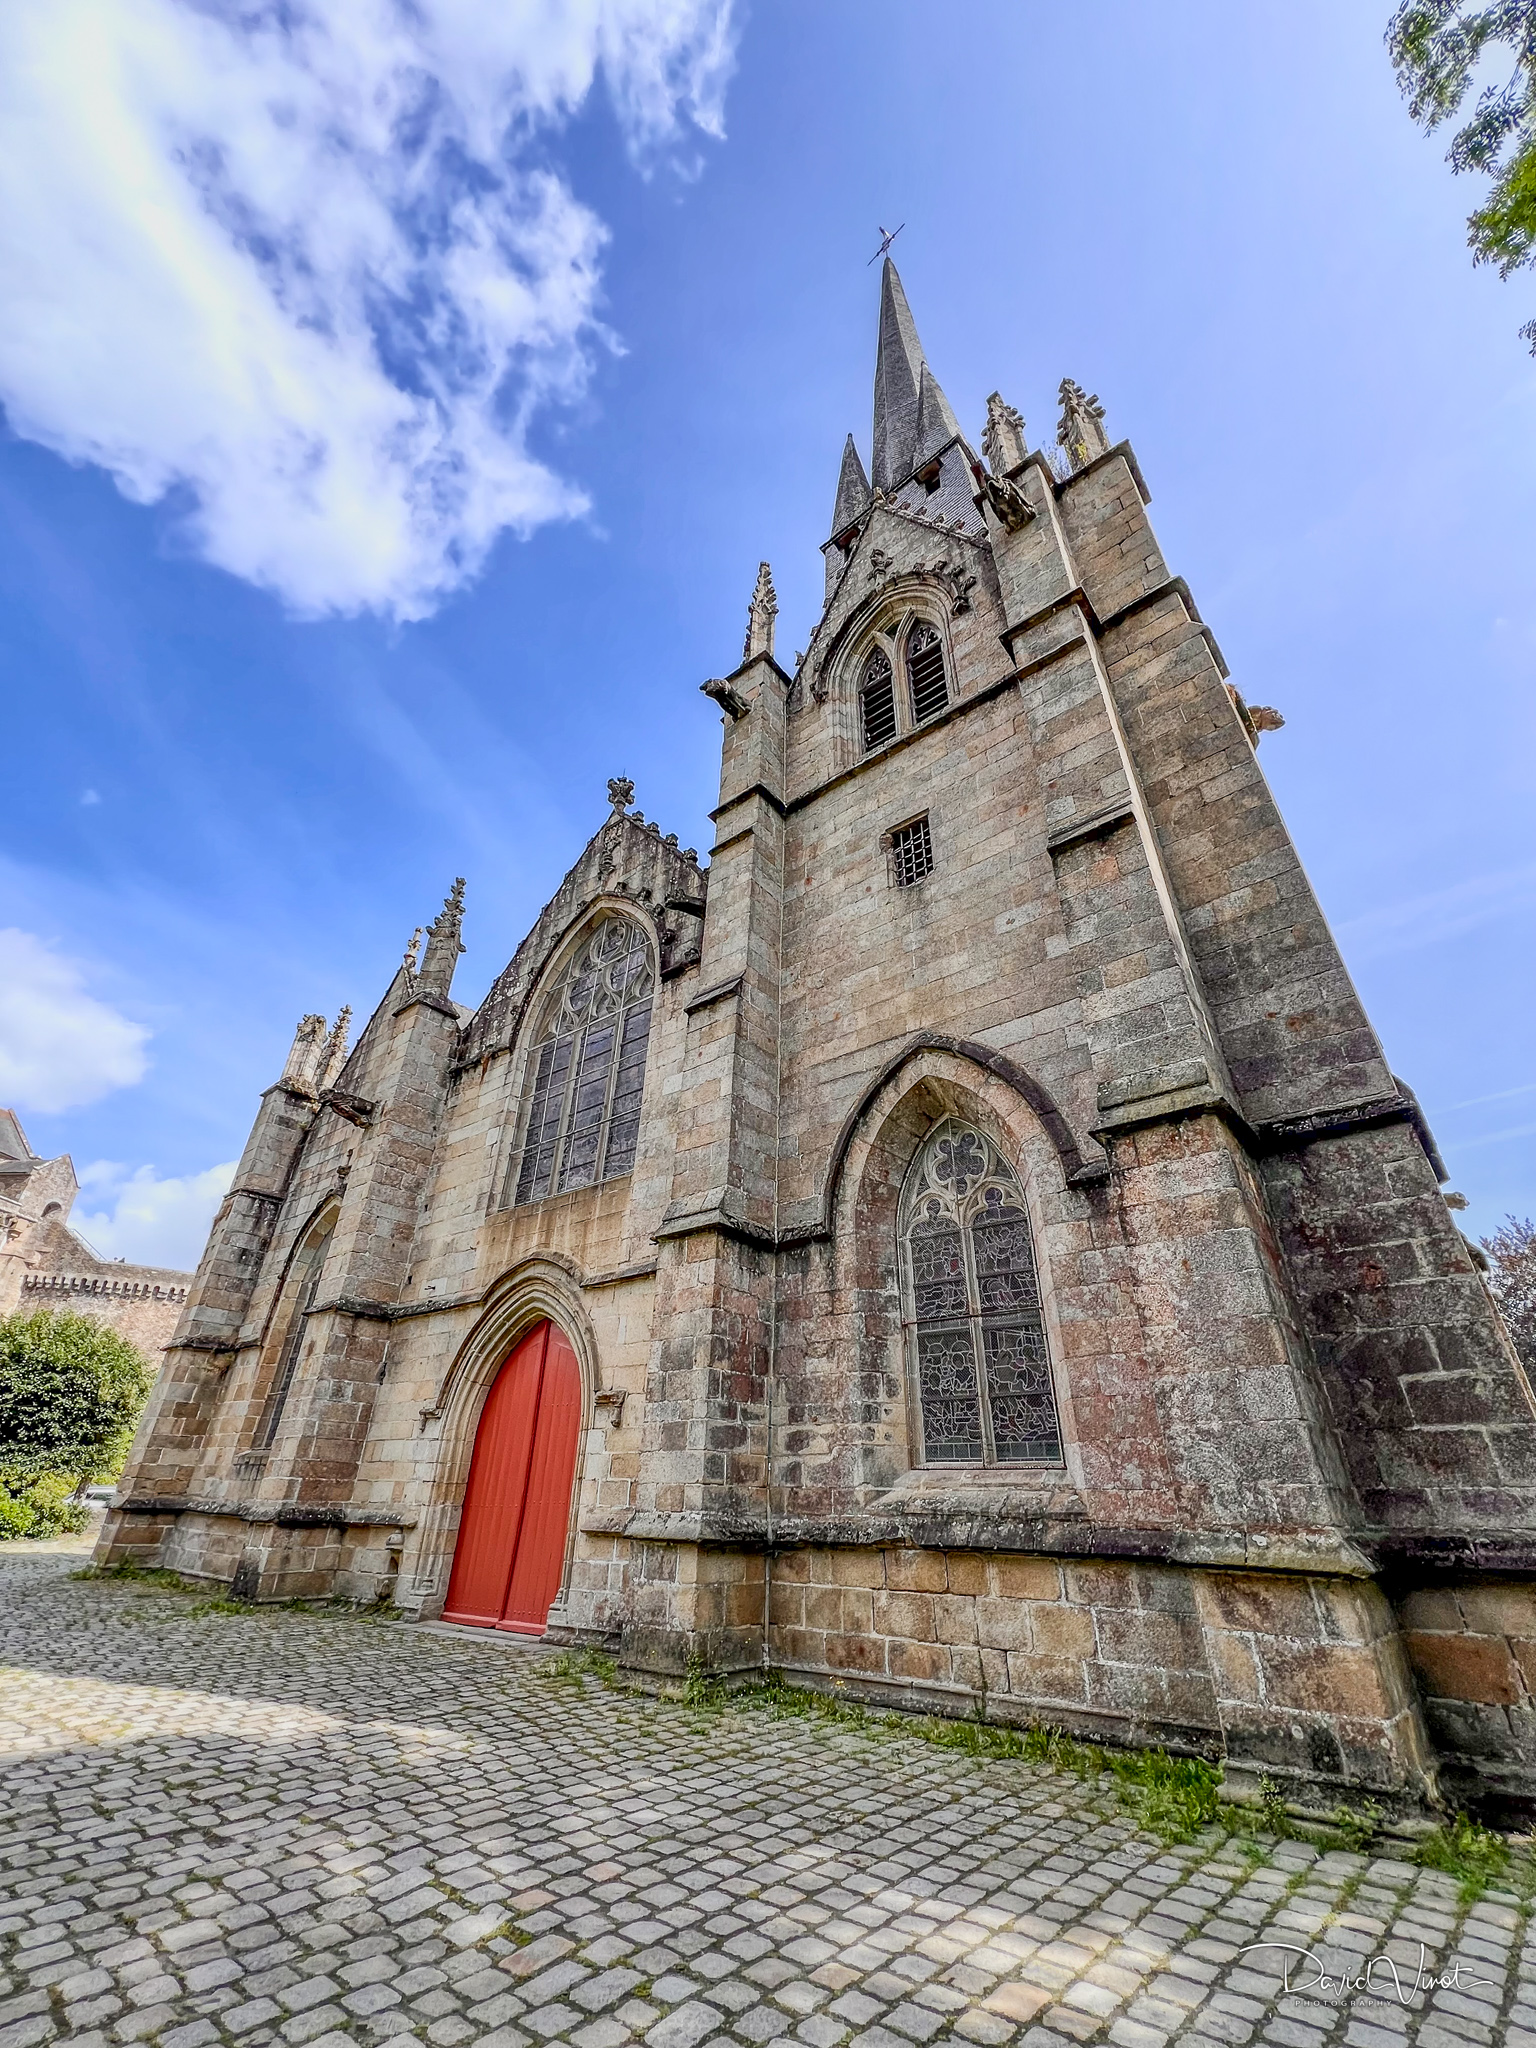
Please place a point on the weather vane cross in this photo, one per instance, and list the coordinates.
(886, 239)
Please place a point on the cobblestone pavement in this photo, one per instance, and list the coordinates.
(304, 1829)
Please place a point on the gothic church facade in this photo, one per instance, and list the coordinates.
(965, 1243)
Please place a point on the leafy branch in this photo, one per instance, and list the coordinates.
(1436, 46)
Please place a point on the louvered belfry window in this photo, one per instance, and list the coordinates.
(877, 701)
(925, 672)
(587, 1075)
(984, 1394)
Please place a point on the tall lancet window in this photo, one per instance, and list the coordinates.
(981, 1370)
(297, 1299)
(587, 1072)
(877, 701)
(925, 672)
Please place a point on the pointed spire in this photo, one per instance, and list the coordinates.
(852, 490)
(413, 952)
(911, 412)
(761, 613)
(936, 422)
(305, 1055)
(443, 947)
(1004, 443)
(334, 1057)
(1081, 431)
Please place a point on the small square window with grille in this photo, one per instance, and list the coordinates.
(911, 853)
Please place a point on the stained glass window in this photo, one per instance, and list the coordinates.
(587, 1075)
(982, 1370)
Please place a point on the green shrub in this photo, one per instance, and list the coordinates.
(71, 1391)
(40, 1506)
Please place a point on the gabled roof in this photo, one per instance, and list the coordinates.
(13, 1139)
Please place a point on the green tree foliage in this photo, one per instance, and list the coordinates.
(1512, 1282)
(1436, 47)
(70, 1393)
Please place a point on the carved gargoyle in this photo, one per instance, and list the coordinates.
(1002, 497)
(731, 701)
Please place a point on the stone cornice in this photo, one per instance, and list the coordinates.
(966, 1520)
(284, 1515)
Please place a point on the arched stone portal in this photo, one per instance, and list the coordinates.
(510, 1553)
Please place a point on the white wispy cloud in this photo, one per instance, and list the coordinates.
(60, 1047)
(147, 1220)
(307, 266)
(1440, 914)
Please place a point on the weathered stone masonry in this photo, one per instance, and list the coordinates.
(1174, 1410)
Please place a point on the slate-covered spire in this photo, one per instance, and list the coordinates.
(852, 489)
(912, 415)
(936, 422)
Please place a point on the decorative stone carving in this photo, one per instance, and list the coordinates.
(730, 700)
(958, 583)
(761, 613)
(1003, 444)
(621, 792)
(1003, 498)
(1081, 431)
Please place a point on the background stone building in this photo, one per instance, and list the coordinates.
(966, 1243)
(45, 1264)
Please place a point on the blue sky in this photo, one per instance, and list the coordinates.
(232, 791)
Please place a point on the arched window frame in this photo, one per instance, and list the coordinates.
(289, 1324)
(568, 1073)
(923, 638)
(978, 1353)
(890, 639)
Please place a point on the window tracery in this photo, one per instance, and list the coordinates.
(980, 1364)
(586, 1075)
(299, 1290)
(925, 672)
(911, 647)
(877, 701)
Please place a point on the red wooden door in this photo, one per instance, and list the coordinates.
(517, 1505)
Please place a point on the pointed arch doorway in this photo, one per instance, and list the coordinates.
(510, 1553)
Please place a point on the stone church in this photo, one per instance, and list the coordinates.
(963, 1244)
(46, 1264)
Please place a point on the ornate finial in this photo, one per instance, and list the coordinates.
(413, 950)
(1003, 443)
(761, 613)
(443, 947)
(335, 1055)
(304, 1055)
(1081, 431)
(621, 792)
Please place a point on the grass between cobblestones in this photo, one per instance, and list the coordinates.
(228, 1826)
(1176, 1798)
